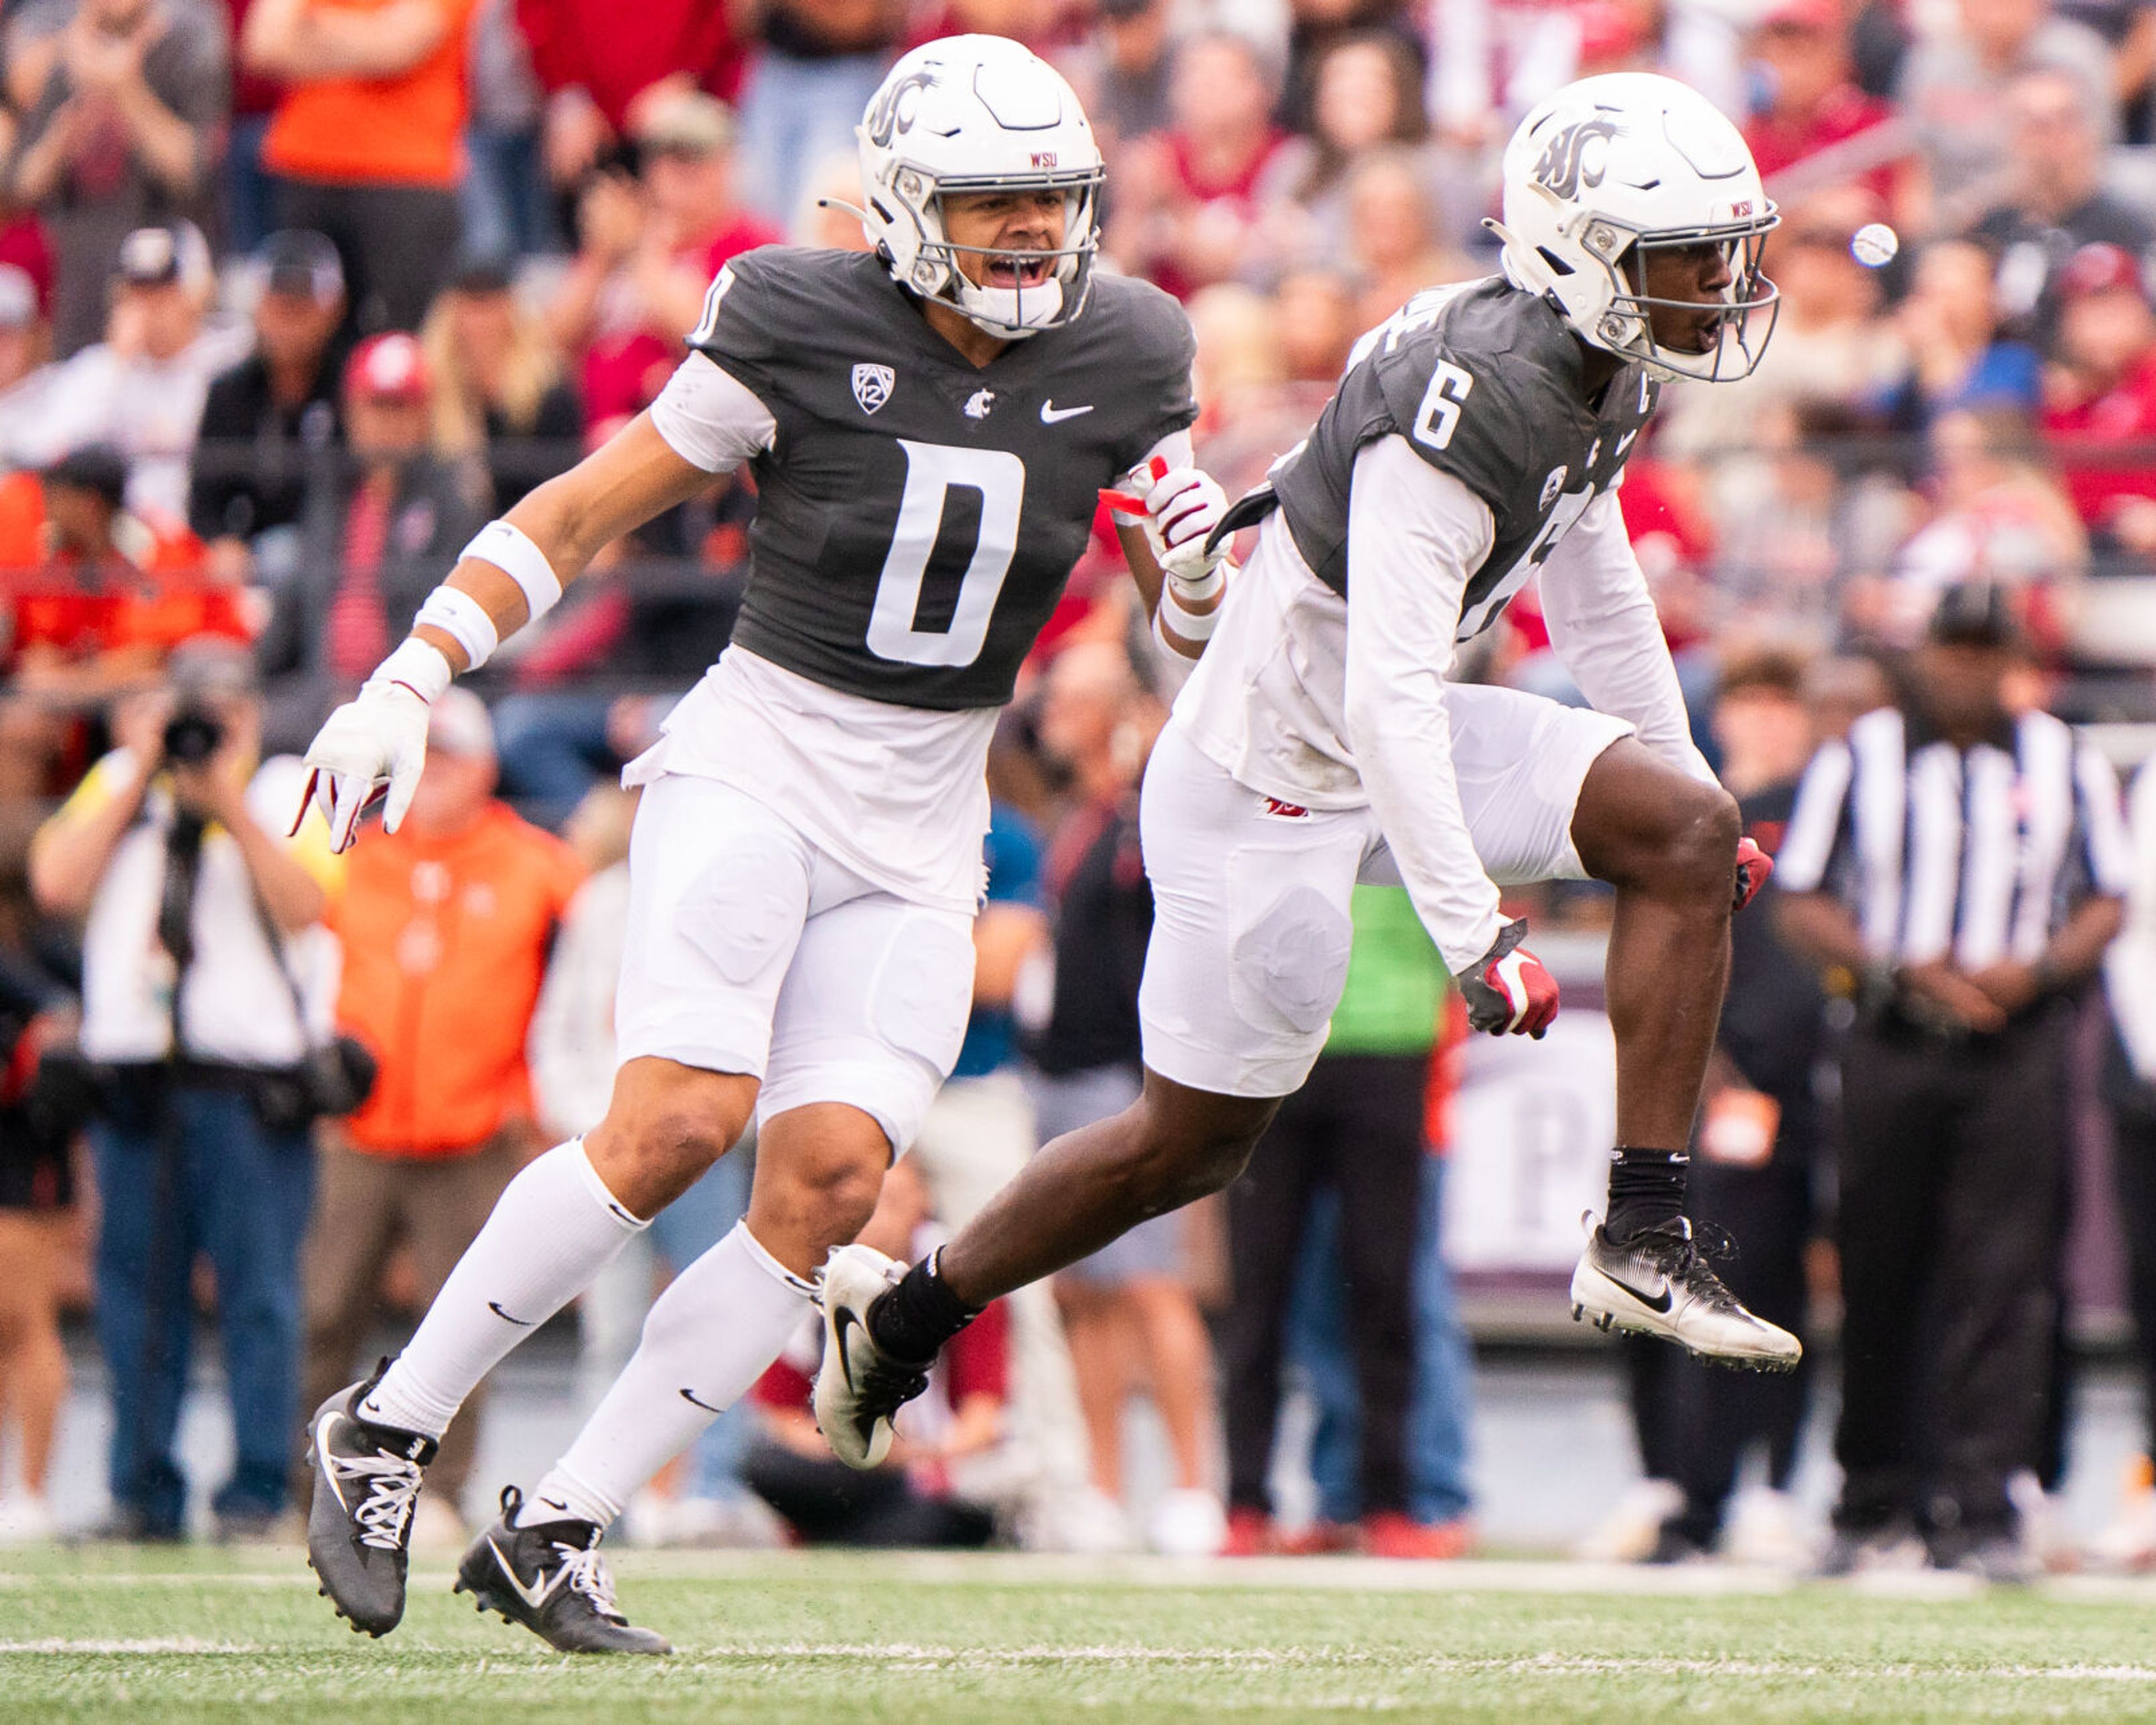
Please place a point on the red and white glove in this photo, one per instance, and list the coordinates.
(1753, 866)
(375, 744)
(1508, 992)
(1178, 508)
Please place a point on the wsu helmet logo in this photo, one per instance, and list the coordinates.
(1563, 168)
(893, 112)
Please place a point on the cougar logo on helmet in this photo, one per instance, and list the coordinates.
(892, 113)
(1563, 167)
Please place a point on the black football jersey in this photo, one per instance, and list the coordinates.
(916, 515)
(1485, 382)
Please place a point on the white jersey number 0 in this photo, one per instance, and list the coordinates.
(932, 472)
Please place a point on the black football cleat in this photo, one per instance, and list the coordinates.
(550, 1578)
(359, 1526)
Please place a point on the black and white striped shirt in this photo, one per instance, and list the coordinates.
(1978, 854)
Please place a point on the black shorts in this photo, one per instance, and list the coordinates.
(34, 1175)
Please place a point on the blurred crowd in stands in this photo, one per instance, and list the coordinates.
(295, 294)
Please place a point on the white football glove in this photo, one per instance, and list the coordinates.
(377, 740)
(1183, 506)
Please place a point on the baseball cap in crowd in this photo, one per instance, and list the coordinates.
(1974, 613)
(158, 257)
(302, 263)
(2102, 268)
(388, 368)
(689, 123)
(457, 724)
(18, 298)
(99, 469)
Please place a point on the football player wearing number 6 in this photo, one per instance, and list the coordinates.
(930, 427)
(1477, 437)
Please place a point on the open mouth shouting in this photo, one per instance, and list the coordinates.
(1009, 269)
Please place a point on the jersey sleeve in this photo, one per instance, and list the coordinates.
(711, 419)
(1460, 412)
(743, 326)
(1414, 540)
(1605, 628)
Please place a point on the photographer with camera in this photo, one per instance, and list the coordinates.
(208, 981)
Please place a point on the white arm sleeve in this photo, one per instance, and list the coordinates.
(1603, 625)
(1414, 535)
(710, 418)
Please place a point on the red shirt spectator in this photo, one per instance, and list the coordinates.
(648, 251)
(1816, 106)
(2100, 418)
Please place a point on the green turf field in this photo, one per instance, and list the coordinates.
(115, 1635)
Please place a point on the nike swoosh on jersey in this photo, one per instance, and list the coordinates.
(695, 1401)
(521, 1323)
(535, 1597)
(1050, 414)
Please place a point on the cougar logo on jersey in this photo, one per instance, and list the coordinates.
(978, 403)
(893, 112)
(1553, 486)
(1563, 168)
(872, 386)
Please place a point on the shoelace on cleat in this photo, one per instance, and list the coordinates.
(587, 1574)
(393, 1486)
(1688, 1264)
(886, 1385)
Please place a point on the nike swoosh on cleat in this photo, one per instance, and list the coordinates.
(1656, 1303)
(1050, 414)
(845, 1316)
(535, 1597)
(694, 1400)
(521, 1323)
(323, 1427)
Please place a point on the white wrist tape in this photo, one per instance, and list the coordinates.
(509, 549)
(1194, 627)
(463, 620)
(420, 666)
(1196, 590)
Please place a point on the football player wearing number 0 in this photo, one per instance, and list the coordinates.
(930, 427)
(1477, 438)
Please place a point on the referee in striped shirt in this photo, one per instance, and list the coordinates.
(1959, 870)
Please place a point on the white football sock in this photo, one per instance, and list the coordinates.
(706, 1340)
(553, 1228)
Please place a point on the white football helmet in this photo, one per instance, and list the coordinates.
(979, 114)
(1611, 169)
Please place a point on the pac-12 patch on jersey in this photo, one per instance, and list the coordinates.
(917, 516)
(1485, 383)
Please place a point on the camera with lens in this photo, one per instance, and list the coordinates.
(192, 736)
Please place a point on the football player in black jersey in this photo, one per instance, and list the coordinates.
(1476, 439)
(930, 427)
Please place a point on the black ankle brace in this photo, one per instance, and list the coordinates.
(916, 1319)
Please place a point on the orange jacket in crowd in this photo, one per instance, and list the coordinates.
(407, 129)
(159, 596)
(445, 942)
